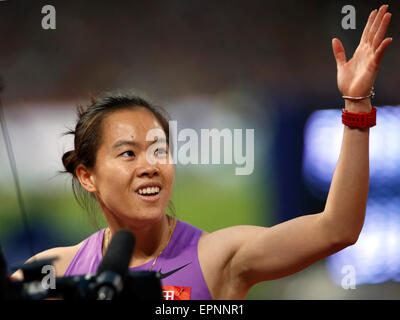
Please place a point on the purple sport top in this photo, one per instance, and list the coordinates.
(181, 251)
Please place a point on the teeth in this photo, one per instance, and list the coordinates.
(149, 190)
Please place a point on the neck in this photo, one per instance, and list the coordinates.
(151, 238)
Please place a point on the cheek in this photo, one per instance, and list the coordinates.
(168, 172)
(111, 178)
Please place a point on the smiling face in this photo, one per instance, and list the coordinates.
(123, 179)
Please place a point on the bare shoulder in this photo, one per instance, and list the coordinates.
(64, 257)
(228, 238)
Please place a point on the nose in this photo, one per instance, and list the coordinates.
(147, 169)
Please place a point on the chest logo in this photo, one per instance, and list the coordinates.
(167, 274)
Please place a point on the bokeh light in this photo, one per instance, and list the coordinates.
(376, 255)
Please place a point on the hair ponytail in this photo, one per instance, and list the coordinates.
(70, 162)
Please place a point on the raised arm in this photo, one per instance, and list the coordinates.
(255, 254)
(347, 198)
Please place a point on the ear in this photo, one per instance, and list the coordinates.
(86, 178)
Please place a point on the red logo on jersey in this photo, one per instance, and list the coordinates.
(176, 293)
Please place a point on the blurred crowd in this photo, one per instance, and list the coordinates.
(178, 48)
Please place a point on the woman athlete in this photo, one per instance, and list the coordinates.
(110, 163)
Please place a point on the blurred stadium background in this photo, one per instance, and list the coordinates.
(211, 64)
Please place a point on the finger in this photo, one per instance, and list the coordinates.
(377, 22)
(380, 34)
(338, 52)
(381, 50)
(371, 19)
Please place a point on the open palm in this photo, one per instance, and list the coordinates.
(357, 76)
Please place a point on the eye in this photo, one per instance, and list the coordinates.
(128, 153)
(160, 151)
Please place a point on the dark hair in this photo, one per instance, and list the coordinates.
(87, 138)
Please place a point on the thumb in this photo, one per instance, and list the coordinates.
(338, 52)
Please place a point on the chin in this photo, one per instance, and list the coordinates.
(148, 215)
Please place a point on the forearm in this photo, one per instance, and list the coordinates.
(348, 193)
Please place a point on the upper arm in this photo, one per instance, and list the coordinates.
(64, 257)
(284, 249)
(249, 254)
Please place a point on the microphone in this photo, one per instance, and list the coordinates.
(113, 269)
(113, 279)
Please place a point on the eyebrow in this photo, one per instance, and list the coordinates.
(133, 143)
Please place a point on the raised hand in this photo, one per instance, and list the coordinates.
(356, 77)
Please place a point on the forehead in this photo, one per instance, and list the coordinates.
(129, 124)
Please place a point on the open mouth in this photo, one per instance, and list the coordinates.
(149, 194)
(150, 191)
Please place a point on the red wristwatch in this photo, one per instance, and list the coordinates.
(359, 120)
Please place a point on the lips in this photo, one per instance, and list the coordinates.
(149, 198)
(150, 185)
(149, 192)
